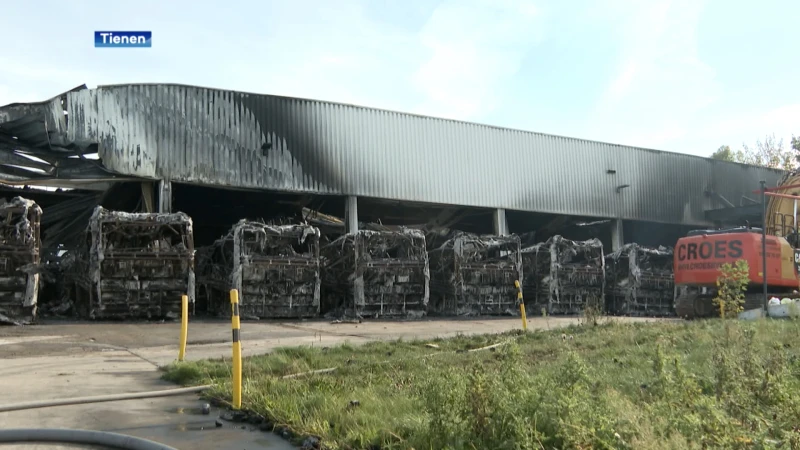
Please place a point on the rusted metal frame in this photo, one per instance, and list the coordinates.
(277, 262)
(646, 275)
(548, 265)
(107, 228)
(461, 254)
(395, 264)
(21, 248)
(244, 243)
(117, 254)
(354, 256)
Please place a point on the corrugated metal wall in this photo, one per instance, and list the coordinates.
(201, 135)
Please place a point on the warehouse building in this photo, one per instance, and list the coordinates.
(167, 147)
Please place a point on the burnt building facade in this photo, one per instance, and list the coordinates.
(187, 134)
(169, 138)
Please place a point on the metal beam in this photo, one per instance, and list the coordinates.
(164, 196)
(500, 223)
(617, 236)
(351, 214)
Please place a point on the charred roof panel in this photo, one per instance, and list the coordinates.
(208, 136)
(35, 149)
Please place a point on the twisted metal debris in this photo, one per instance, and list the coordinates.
(377, 274)
(134, 265)
(473, 274)
(640, 281)
(566, 276)
(20, 246)
(276, 269)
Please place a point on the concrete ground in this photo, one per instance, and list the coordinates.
(60, 360)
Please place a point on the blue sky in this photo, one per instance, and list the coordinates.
(678, 75)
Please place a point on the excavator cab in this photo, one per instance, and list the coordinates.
(783, 225)
(700, 254)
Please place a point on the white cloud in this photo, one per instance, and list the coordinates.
(24, 82)
(333, 53)
(474, 47)
(457, 62)
(746, 128)
(661, 85)
(454, 66)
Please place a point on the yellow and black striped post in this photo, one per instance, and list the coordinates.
(521, 305)
(237, 350)
(184, 326)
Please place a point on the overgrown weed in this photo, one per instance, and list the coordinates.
(731, 286)
(708, 384)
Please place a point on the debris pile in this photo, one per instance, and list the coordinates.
(377, 274)
(640, 281)
(566, 276)
(473, 275)
(134, 265)
(20, 244)
(276, 269)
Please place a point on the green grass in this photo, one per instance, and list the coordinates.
(705, 384)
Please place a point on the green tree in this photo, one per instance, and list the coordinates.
(769, 152)
(724, 153)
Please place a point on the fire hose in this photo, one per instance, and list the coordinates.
(101, 398)
(87, 437)
(83, 437)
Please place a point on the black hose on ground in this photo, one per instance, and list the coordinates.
(83, 437)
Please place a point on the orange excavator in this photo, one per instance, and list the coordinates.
(699, 256)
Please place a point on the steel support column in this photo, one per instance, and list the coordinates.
(351, 214)
(164, 196)
(617, 238)
(500, 223)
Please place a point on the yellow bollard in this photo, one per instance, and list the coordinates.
(184, 326)
(237, 350)
(521, 305)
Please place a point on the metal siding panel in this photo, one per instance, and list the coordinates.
(453, 155)
(430, 149)
(372, 150)
(393, 156)
(448, 159)
(208, 136)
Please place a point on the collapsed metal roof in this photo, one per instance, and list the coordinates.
(232, 139)
(34, 150)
